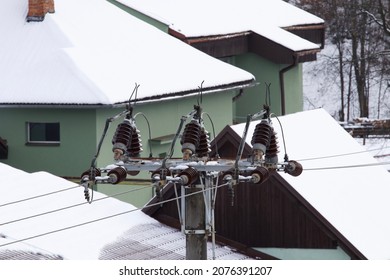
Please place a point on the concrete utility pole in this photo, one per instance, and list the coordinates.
(192, 172)
(195, 224)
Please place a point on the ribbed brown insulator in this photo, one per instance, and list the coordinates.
(191, 136)
(123, 135)
(134, 148)
(117, 175)
(203, 148)
(261, 136)
(271, 155)
(260, 175)
(87, 173)
(189, 176)
(293, 168)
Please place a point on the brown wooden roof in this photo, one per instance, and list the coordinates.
(239, 43)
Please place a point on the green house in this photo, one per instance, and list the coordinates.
(64, 73)
(269, 38)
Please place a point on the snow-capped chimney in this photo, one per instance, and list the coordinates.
(37, 9)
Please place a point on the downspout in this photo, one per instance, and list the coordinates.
(281, 81)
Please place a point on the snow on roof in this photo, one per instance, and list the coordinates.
(47, 217)
(84, 242)
(207, 18)
(92, 52)
(355, 200)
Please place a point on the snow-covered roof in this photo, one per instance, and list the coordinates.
(91, 52)
(340, 178)
(198, 18)
(46, 217)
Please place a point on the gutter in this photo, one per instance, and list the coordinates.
(281, 81)
(150, 99)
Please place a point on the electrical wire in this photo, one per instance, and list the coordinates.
(212, 126)
(70, 206)
(150, 133)
(37, 196)
(344, 154)
(200, 94)
(148, 206)
(268, 94)
(347, 166)
(106, 217)
(284, 141)
(299, 160)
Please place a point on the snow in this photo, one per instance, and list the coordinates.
(92, 52)
(43, 215)
(208, 18)
(353, 199)
(379, 148)
(78, 243)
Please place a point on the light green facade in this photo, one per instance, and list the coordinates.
(306, 254)
(81, 130)
(267, 72)
(77, 137)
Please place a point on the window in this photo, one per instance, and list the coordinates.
(43, 133)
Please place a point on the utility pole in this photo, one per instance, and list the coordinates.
(195, 223)
(192, 172)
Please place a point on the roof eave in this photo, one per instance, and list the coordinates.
(55, 105)
(312, 32)
(205, 90)
(224, 45)
(157, 97)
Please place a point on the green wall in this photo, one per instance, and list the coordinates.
(305, 254)
(77, 138)
(81, 130)
(267, 72)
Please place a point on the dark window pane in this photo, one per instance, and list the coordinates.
(44, 132)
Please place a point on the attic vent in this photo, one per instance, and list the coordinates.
(37, 9)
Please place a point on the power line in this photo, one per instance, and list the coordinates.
(347, 166)
(344, 154)
(305, 159)
(37, 196)
(70, 206)
(147, 206)
(107, 217)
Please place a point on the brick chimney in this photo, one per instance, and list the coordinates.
(37, 9)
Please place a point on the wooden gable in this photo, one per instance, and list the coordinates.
(272, 214)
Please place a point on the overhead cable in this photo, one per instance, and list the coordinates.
(38, 196)
(70, 206)
(106, 217)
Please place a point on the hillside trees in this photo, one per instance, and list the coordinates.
(359, 31)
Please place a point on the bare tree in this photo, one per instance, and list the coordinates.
(359, 30)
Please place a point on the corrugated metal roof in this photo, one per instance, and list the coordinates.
(26, 255)
(158, 242)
